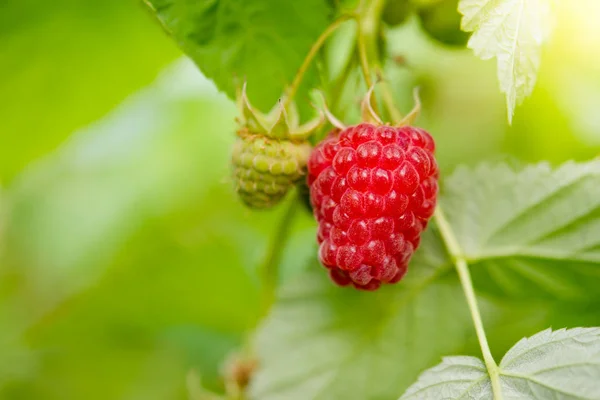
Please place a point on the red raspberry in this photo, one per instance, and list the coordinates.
(373, 189)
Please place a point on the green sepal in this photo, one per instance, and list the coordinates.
(253, 120)
(282, 122)
(305, 130)
(281, 127)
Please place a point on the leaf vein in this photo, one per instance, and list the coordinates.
(543, 384)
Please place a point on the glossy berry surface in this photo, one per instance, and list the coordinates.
(373, 190)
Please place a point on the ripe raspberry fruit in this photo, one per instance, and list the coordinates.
(270, 154)
(373, 190)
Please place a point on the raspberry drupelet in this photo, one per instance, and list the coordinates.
(373, 190)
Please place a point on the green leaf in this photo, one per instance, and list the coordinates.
(262, 41)
(454, 377)
(513, 31)
(563, 364)
(530, 233)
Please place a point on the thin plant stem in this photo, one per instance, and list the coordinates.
(342, 80)
(368, 28)
(467, 285)
(311, 55)
(364, 59)
(388, 98)
(270, 267)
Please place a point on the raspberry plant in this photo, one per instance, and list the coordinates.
(503, 238)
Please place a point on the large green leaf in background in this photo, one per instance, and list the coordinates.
(324, 342)
(531, 233)
(261, 41)
(66, 63)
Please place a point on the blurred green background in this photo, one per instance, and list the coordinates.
(125, 259)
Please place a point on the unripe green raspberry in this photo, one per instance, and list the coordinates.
(265, 169)
(270, 154)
